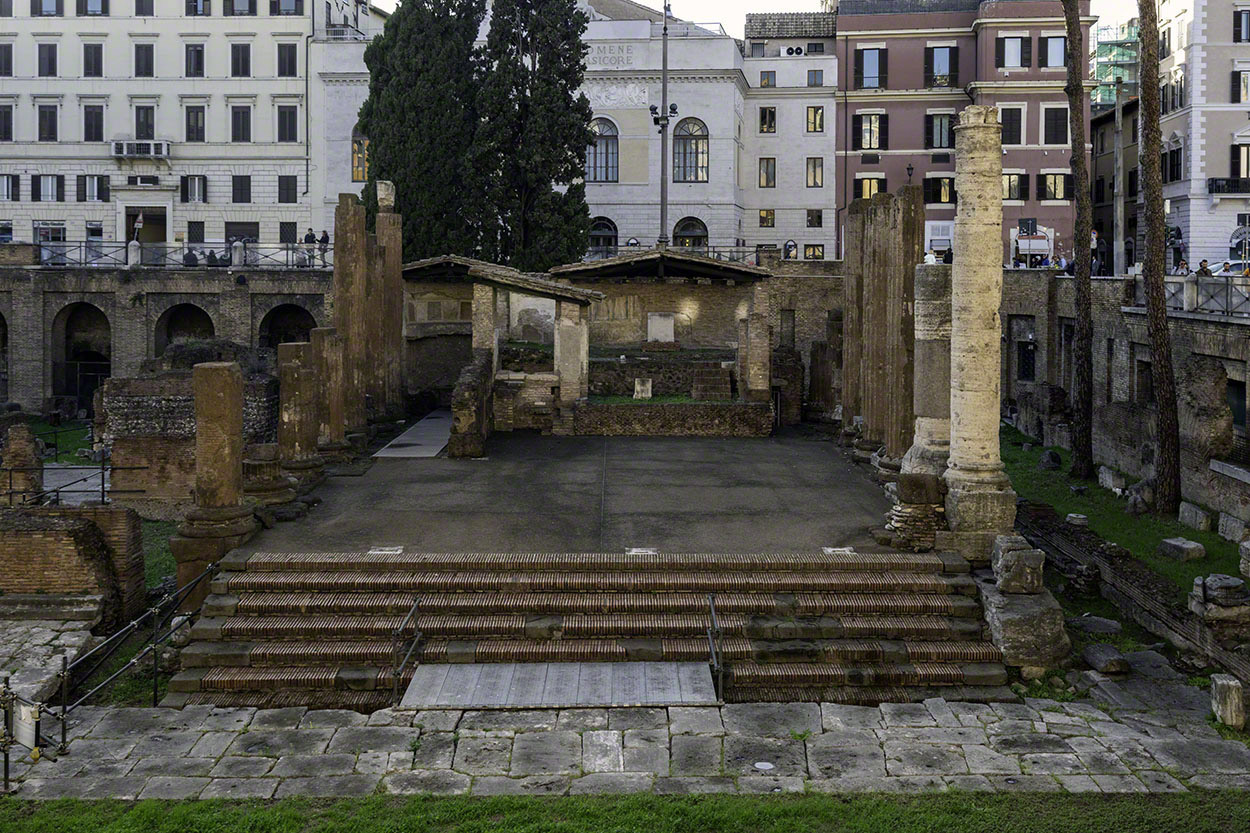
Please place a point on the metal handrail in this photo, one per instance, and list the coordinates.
(37, 497)
(398, 665)
(715, 647)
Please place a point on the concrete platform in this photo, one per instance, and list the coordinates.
(789, 493)
(427, 438)
(560, 685)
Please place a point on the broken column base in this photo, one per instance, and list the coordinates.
(309, 474)
(916, 525)
(863, 449)
(977, 511)
(335, 452)
(1027, 627)
(203, 538)
(264, 482)
(887, 468)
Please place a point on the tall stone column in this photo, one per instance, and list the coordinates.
(485, 324)
(390, 228)
(327, 352)
(297, 416)
(907, 224)
(878, 237)
(852, 311)
(980, 503)
(759, 346)
(219, 521)
(571, 348)
(350, 266)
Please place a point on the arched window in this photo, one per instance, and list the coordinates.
(602, 154)
(602, 237)
(360, 156)
(691, 233)
(690, 151)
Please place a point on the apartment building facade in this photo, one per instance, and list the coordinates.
(1106, 186)
(169, 122)
(906, 69)
(751, 143)
(1204, 75)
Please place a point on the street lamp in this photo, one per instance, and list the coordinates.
(661, 118)
(911, 169)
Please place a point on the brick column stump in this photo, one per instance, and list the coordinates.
(297, 416)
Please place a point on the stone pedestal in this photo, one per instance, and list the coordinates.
(980, 503)
(350, 265)
(327, 349)
(219, 521)
(264, 481)
(297, 416)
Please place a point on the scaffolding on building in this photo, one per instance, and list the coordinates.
(1114, 56)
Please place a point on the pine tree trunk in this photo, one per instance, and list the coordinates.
(1167, 462)
(1082, 394)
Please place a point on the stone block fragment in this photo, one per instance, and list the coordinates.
(1049, 461)
(1105, 658)
(1076, 519)
(1111, 479)
(642, 388)
(1181, 549)
(920, 488)
(1227, 700)
(1019, 571)
(1244, 552)
(1194, 516)
(1232, 528)
(1027, 628)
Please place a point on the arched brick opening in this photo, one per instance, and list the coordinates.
(283, 324)
(181, 322)
(82, 350)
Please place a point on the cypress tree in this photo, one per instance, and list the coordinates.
(534, 125)
(420, 120)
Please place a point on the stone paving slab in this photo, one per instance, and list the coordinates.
(31, 651)
(203, 752)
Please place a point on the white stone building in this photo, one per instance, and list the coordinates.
(202, 117)
(1204, 71)
(752, 144)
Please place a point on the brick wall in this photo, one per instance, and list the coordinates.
(123, 537)
(670, 375)
(472, 407)
(699, 419)
(18, 254)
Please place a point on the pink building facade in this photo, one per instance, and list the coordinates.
(906, 69)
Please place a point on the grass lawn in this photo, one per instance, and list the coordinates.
(69, 437)
(931, 813)
(158, 561)
(1107, 517)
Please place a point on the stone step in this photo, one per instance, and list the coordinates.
(869, 695)
(574, 626)
(821, 674)
(380, 652)
(791, 604)
(700, 581)
(642, 563)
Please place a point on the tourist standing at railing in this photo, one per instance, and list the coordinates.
(1204, 271)
(1227, 270)
(1181, 269)
(310, 246)
(323, 245)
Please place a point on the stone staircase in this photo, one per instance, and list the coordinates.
(837, 626)
(712, 382)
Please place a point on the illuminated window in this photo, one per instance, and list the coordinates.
(360, 158)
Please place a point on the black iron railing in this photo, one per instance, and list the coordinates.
(254, 255)
(715, 648)
(1228, 185)
(398, 637)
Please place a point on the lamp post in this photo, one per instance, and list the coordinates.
(911, 169)
(661, 118)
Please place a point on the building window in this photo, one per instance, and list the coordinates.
(939, 190)
(814, 251)
(240, 60)
(286, 7)
(47, 60)
(1053, 52)
(1054, 187)
(6, 122)
(145, 179)
(195, 123)
(1175, 171)
(602, 235)
(939, 131)
(360, 157)
(815, 78)
(1013, 53)
(1055, 125)
(288, 233)
(93, 60)
(10, 184)
(768, 172)
(240, 188)
(93, 123)
(603, 154)
(1241, 26)
(47, 122)
(691, 233)
(690, 151)
(288, 60)
(145, 122)
(941, 66)
(870, 69)
(815, 172)
(241, 124)
(145, 60)
(1026, 361)
(1013, 125)
(768, 119)
(1100, 190)
(870, 131)
(288, 186)
(241, 7)
(47, 188)
(198, 8)
(768, 78)
(768, 218)
(194, 188)
(816, 48)
(195, 231)
(47, 8)
(195, 60)
(1132, 182)
(815, 218)
(787, 328)
(816, 119)
(6, 60)
(93, 188)
(288, 123)
(1015, 186)
(866, 187)
(757, 49)
(145, 8)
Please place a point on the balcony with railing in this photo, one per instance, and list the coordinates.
(731, 254)
(1228, 185)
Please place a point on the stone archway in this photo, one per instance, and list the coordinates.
(181, 322)
(283, 324)
(82, 350)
